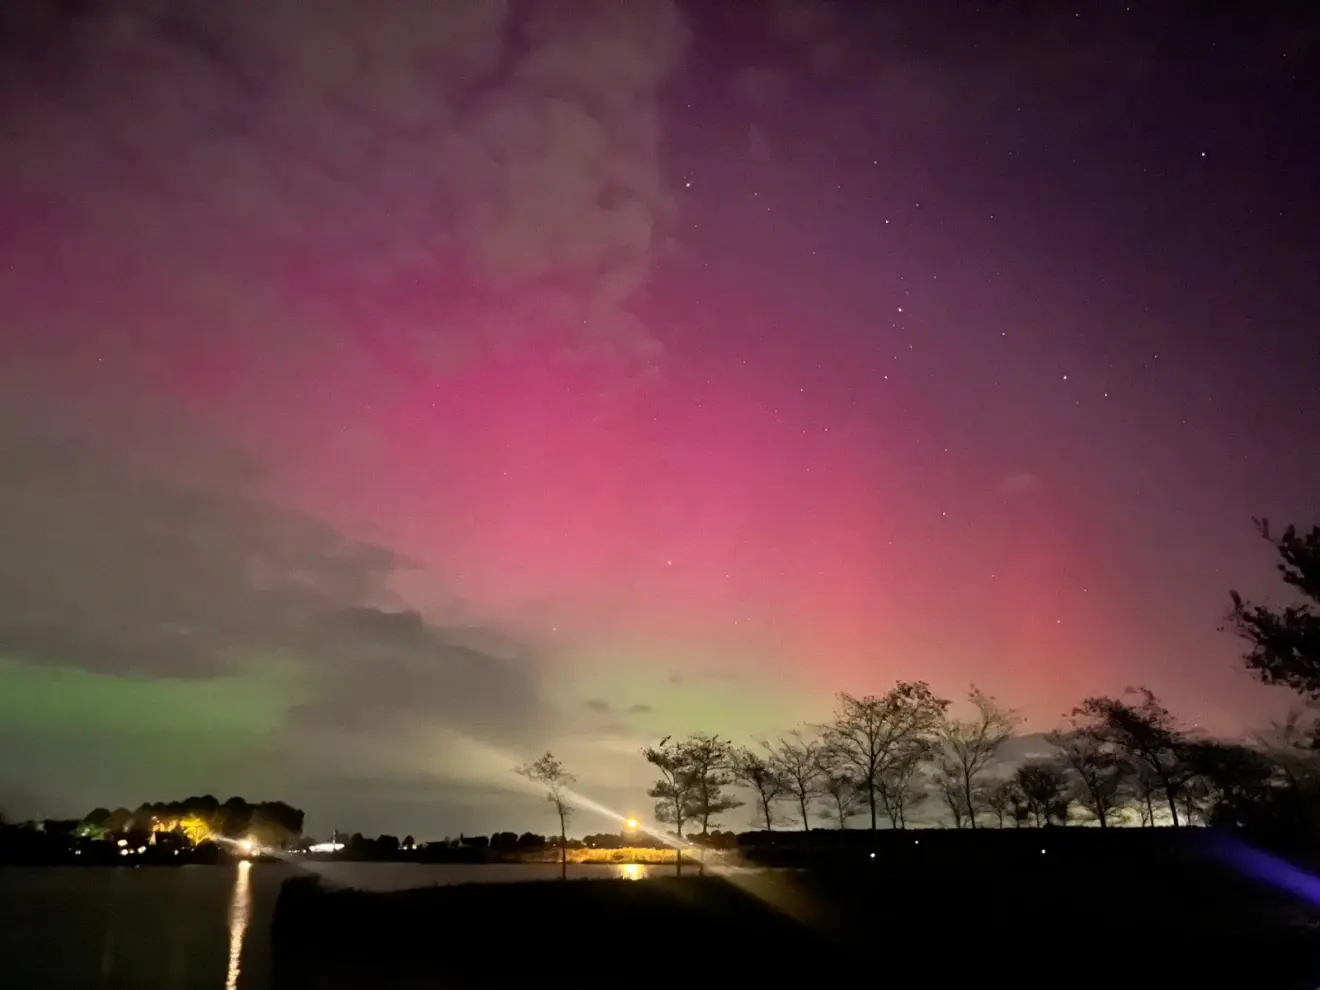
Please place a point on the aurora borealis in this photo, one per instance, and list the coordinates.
(392, 392)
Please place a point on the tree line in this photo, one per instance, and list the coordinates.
(891, 757)
(272, 824)
(887, 757)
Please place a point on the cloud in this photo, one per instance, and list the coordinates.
(442, 173)
(272, 200)
(140, 549)
(398, 696)
(376, 664)
(603, 707)
(132, 548)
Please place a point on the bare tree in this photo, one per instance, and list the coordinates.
(1044, 785)
(1143, 787)
(797, 760)
(1195, 799)
(950, 790)
(868, 734)
(999, 798)
(901, 786)
(761, 775)
(1146, 733)
(549, 773)
(844, 796)
(968, 747)
(1099, 770)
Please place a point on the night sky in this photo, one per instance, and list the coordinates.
(390, 392)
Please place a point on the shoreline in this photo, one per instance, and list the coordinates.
(985, 901)
(653, 858)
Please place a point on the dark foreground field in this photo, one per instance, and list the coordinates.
(1075, 908)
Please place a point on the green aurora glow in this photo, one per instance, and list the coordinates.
(121, 740)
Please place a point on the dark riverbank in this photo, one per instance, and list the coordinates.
(180, 929)
(1091, 910)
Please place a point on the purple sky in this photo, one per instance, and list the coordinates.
(678, 364)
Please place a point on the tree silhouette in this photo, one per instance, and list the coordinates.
(844, 795)
(950, 791)
(999, 798)
(1145, 788)
(967, 747)
(1044, 786)
(196, 820)
(868, 735)
(1292, 745)
(1234, 783)
(694, 772)
(93, 823)
(797, 760)
(1098, 768)
(1145, 733)
(1285, 642)
(1018, 805)
(549, 773)
(710, 760)
(1291, 806)
(761, 775)
(673, 791)
(901, 785)
(118, 821)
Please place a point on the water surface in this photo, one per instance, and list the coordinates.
(186, 928)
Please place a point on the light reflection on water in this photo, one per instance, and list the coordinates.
(200, 927)
(240, 912)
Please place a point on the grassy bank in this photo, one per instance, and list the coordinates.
(640, 855)
(1091, 910)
